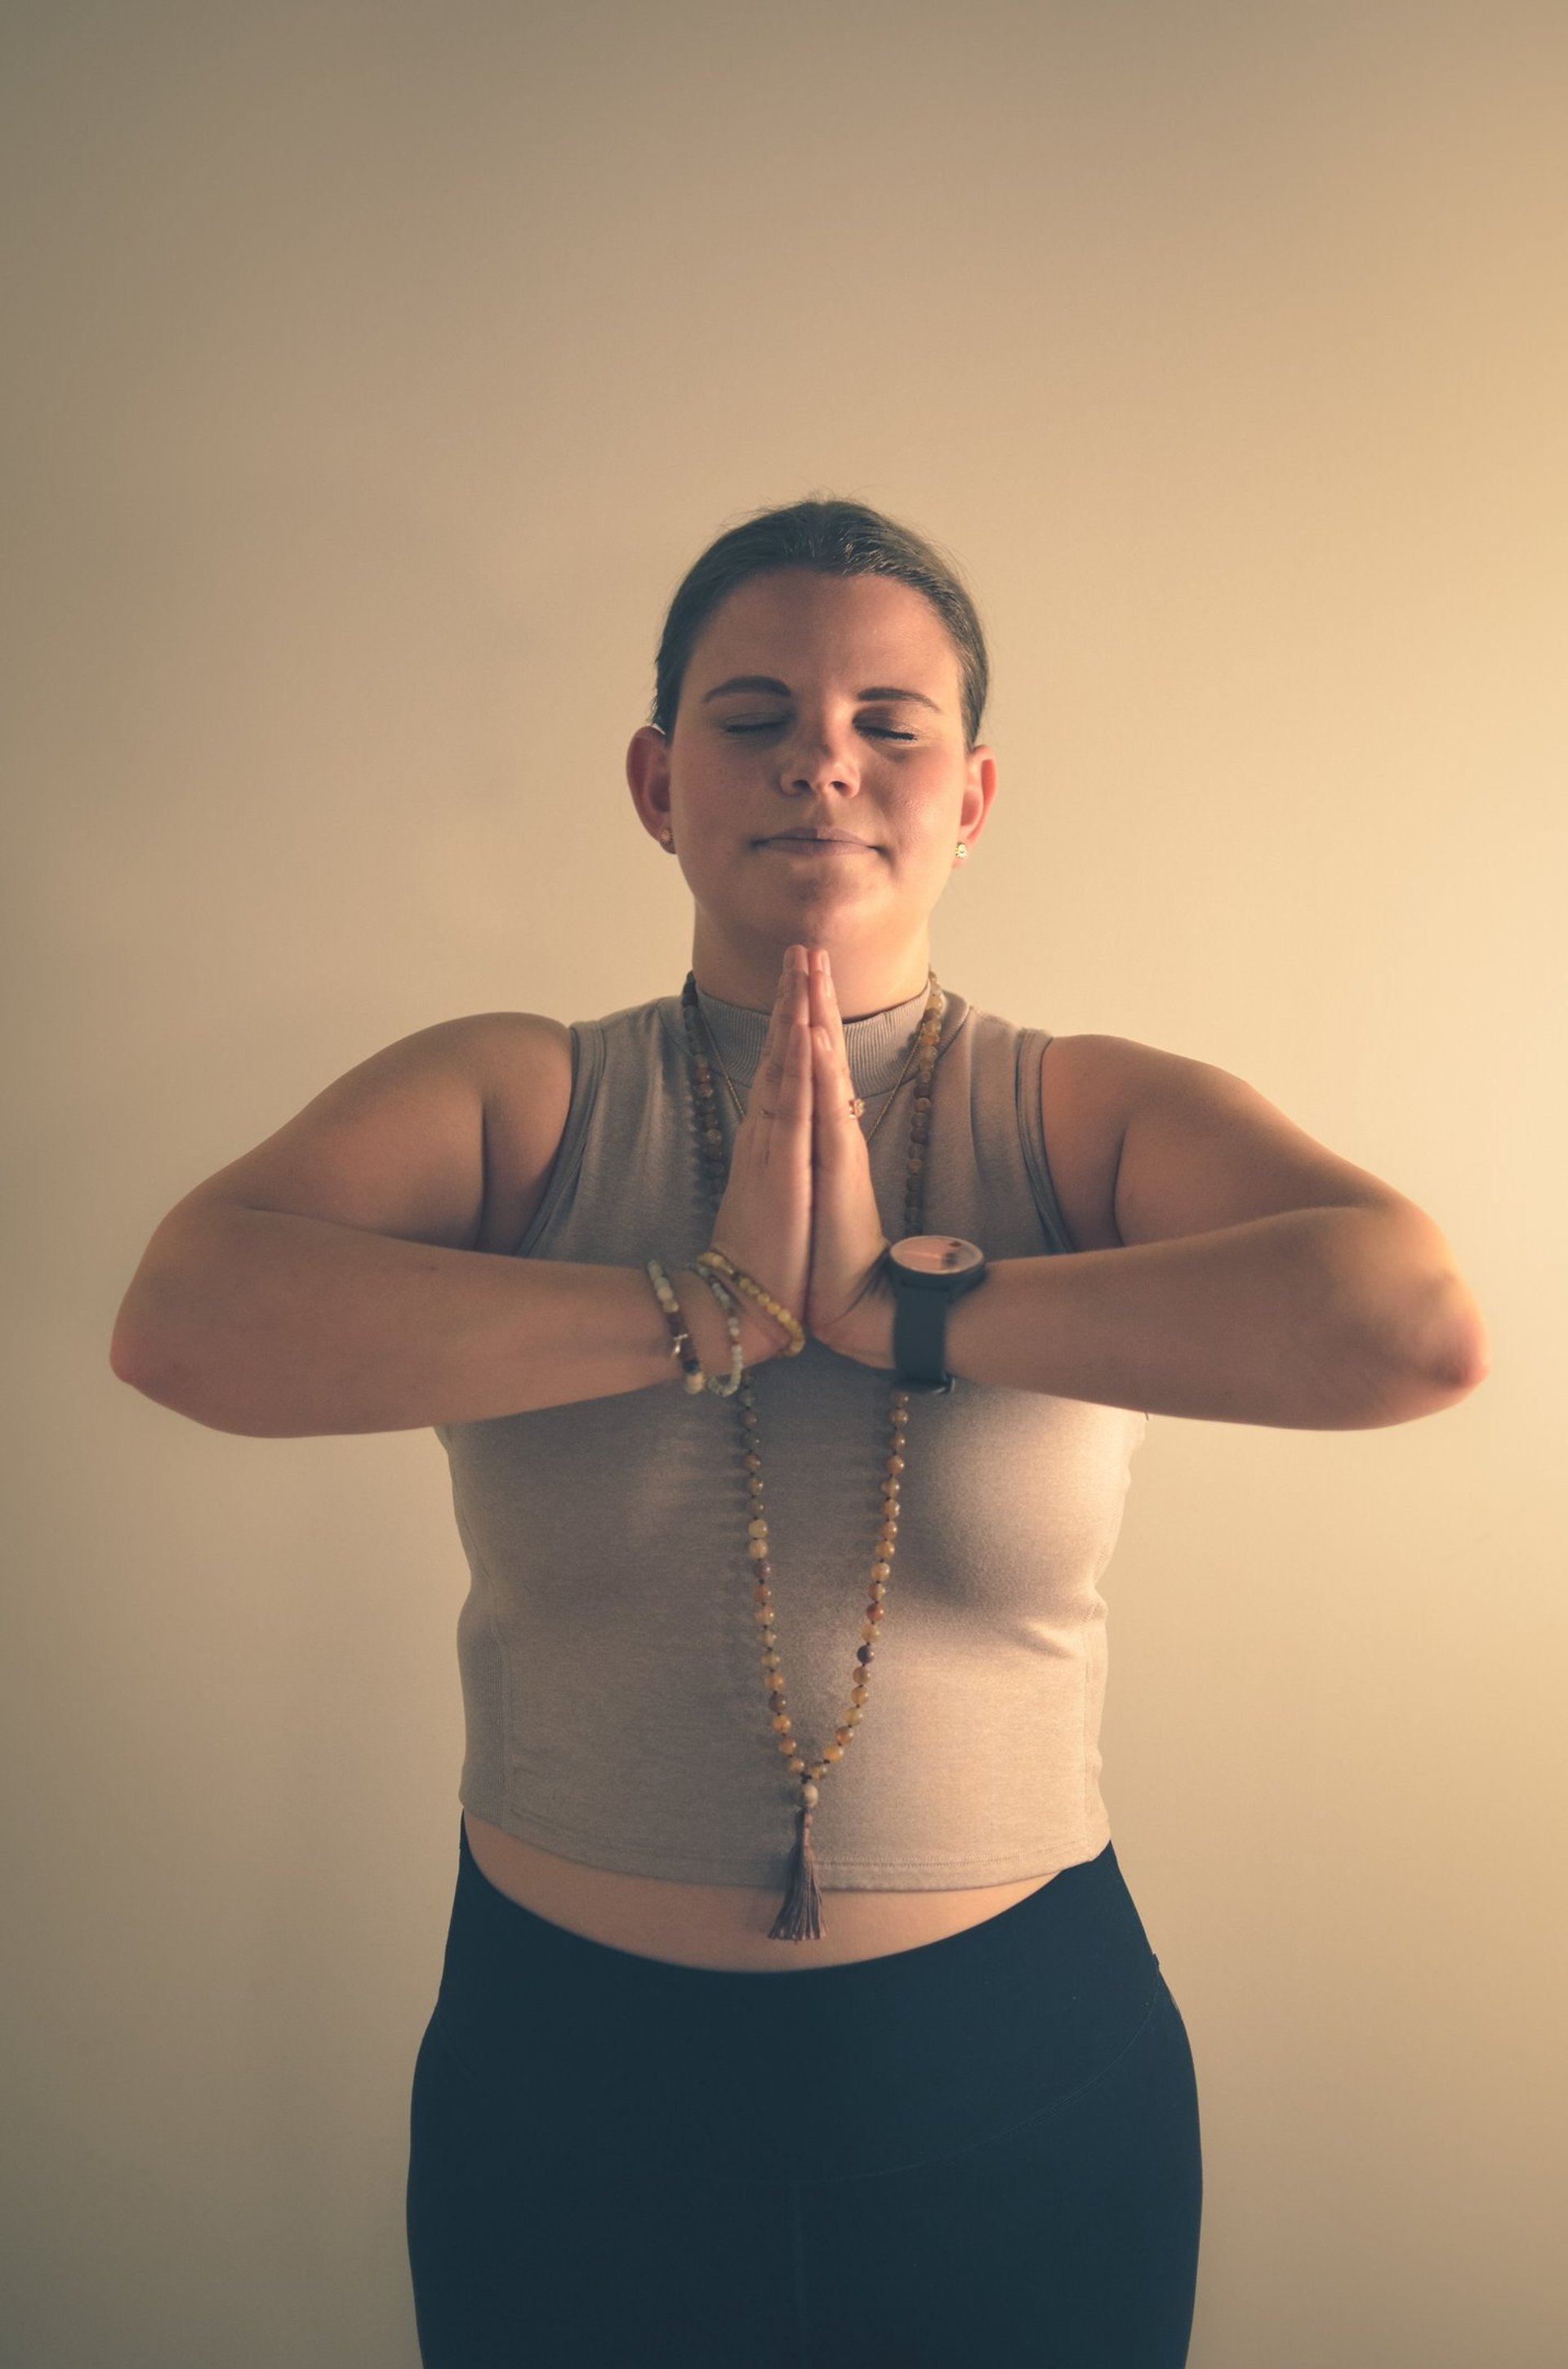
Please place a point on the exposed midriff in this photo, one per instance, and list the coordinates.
(724, 1926)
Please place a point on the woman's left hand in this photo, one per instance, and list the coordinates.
(849, 1302)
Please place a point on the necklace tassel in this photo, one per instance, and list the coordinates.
(800, 1918)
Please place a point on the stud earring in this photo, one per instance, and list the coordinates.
(667, 837)
(963, 851)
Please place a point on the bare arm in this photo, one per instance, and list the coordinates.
(1261, 1278)
(1320, 1320)
(321, 1283)
(284, 1327)
(1258, 1278)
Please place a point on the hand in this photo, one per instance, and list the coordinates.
(850, 1302)
(764, 1222)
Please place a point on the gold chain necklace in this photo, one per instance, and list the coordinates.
(800, 1916)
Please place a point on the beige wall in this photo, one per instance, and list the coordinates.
(375, 372)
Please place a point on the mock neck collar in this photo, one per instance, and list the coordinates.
(876, 1045)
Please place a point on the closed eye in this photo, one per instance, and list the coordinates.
(878, 731)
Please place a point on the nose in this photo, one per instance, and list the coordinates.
(814, 761)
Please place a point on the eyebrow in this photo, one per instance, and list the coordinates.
(772, 682)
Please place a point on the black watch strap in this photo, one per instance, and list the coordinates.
(919, 1339)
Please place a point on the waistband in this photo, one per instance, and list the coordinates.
(878, 2066)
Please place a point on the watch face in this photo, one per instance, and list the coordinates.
(938, 1254)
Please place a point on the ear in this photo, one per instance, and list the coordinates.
(979, 789)
(647, 776)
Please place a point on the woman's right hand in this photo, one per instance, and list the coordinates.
(763, 1223)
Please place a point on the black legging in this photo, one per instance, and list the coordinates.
(985, 2149)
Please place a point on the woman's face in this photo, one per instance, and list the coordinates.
(822, 704)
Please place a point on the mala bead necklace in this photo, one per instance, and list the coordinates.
(800, 1916)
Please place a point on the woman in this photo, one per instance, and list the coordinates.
(807, 1681)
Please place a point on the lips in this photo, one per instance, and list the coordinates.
(815, 838)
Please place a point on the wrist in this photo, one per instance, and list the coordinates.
(866, 1333)
(759, 1340)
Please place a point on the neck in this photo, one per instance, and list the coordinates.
(879, 1045)
(866, 979)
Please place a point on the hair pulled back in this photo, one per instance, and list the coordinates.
(829, 538)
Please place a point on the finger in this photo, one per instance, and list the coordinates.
(778, 1019)
(833, 1118)
(776, 1045)
(794, 968)
(795, 1097)
(827, 1007)
(825, 1014)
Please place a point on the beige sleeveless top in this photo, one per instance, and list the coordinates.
(609, 1656)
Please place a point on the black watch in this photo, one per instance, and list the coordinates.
(928, 1271)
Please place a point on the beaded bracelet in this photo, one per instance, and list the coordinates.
(680, 1339)
(731, 1308)
(747, 1284)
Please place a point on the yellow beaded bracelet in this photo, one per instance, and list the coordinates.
(714, 1258)
(680, 1339)
(731, 1306)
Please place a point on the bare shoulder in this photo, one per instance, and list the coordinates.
(523, 1061)
(1146, 1145)
(438, 1138)
(1082, 1116)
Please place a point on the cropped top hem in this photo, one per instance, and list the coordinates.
(889, 1873)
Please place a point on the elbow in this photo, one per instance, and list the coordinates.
(1413, 1333)
(1446, 1353)
(1465, 1367)
(139, 1361)
(137, 1351)
(1456, 1354)
(131, 1362)
(125, 1359)
(168, 1384)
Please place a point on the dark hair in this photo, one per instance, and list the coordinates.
(829, 538)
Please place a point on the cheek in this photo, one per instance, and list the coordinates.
(934, 830)
(713, 788)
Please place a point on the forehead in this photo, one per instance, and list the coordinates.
(850, 625)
